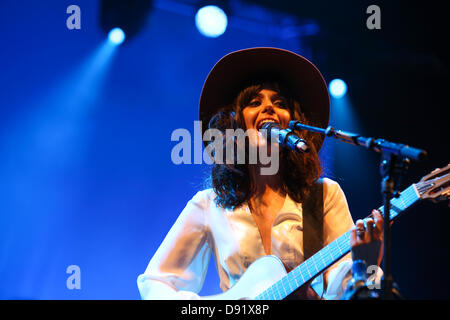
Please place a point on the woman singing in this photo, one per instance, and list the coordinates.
(246, 215)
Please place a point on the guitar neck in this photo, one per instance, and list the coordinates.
(331, 253)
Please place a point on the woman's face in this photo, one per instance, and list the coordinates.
(267, 105)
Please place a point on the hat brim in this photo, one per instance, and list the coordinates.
(239, 69)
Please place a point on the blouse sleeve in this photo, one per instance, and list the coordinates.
(337, 221)
(182, 259)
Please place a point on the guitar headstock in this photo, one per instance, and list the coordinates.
(436, 185)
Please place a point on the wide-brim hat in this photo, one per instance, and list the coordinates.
(240, 69)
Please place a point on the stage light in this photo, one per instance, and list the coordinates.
(337, 88)
(130, 16)
(211, 21)
(116, 36)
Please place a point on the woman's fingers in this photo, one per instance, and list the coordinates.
(360, 230)
(359, 224)
(369, 229)
(366, 239)
(378, 224)
(353, 237)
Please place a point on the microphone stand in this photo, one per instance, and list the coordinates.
(395, 160)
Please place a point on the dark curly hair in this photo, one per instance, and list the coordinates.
(298, 172)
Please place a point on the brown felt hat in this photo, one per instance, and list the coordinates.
(240, 69)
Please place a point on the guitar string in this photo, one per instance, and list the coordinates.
(408, 196)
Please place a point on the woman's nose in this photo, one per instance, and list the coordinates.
(268, 107)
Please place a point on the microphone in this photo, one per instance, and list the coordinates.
(286, 137)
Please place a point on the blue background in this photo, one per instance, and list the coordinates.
(86, 176)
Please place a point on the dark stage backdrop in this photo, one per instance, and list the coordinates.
(86, 176)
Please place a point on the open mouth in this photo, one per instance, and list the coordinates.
(260, 123)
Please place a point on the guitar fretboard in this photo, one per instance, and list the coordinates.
(329, 254)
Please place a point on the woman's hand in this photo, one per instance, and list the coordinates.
(366, 239)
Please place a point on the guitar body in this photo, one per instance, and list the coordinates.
(260, 275)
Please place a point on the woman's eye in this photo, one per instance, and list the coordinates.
(280, 103)
(254, 103)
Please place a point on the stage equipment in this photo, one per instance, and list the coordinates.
(395, 160)
(286, 137)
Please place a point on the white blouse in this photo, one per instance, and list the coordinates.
(178, 268)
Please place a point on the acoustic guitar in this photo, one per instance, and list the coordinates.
(267, 279)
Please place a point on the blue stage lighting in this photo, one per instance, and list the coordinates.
(211, 21)
(337, 88)
(116, 36)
